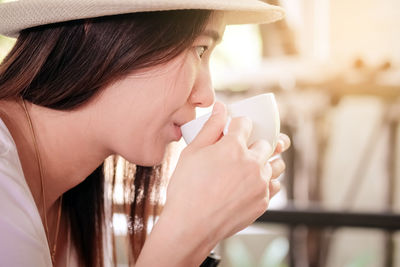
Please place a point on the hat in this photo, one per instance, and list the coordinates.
(16, 15)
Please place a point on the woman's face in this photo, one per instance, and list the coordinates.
(142, 113)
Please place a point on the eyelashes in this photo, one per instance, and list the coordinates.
(200, 50)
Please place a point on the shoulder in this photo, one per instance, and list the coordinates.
(5, 138)
(21, 229)
(8, 115)
(10, 166)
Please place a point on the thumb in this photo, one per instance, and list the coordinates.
(213, 128)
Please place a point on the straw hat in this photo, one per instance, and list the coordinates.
(17, 15)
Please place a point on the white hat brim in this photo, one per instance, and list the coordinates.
(21, 14)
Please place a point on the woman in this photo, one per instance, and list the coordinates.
(90, 79)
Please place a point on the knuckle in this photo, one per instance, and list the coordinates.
(278, 167)
(275, 187)
(265, 149)
(268, 169)
(234, 146)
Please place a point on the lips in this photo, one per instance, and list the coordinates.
(177, 132)
(177, 126)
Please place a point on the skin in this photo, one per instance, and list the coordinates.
(137, 117)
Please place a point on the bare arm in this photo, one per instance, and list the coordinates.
(176, 244)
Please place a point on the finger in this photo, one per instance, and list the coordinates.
(266, 172)
(278, 148)
(261, 150)
(286, 141)
(274, 188)
(240, 127)
(213, 128)
(278, 167)
(283, 144)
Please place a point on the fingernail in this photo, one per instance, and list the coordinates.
(227, 125)
(282, 143)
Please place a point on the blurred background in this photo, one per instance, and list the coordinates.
(334, 66)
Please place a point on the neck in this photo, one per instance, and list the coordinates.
(67, 146)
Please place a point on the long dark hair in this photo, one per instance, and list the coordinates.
(63, 65)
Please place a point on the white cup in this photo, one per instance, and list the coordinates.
(261, 109)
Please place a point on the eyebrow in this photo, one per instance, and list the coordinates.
(213, 35)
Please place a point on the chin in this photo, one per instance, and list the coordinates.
(149, 163)
(147, 160)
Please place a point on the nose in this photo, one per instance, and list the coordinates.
(202, 94)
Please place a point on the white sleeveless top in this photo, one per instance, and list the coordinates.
(23, 239)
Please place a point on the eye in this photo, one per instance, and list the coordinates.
(201, 50)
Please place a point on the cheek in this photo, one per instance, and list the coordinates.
(144, 122)
(183, 84)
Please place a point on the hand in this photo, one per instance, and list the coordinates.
(278, 165)
(218, 188)
(220, 181)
